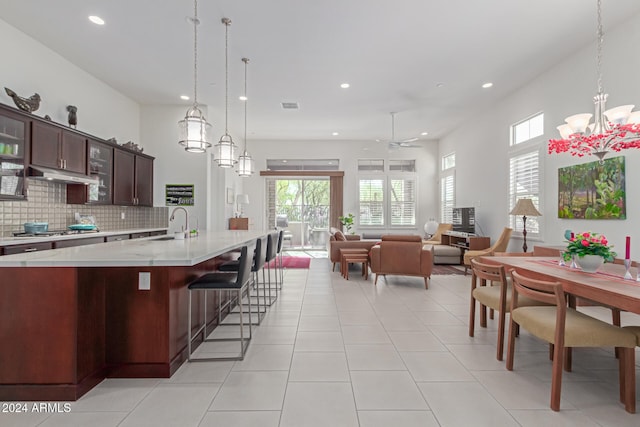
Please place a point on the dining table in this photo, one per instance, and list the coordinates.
(607, 287)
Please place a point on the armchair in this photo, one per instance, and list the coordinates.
(402, 255)
(499, 246)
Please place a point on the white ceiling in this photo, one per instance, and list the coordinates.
(394, 53)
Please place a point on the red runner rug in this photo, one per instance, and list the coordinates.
(294, 262)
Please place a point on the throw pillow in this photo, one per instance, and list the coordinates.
(339, 236)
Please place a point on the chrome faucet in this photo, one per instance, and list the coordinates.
(185, 229)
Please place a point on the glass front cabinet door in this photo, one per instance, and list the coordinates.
(101, 167)
(13, 136)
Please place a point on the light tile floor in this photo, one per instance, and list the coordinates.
(334, 353)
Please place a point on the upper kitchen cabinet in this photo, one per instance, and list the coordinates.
(132, 179)
(14, 137)
(100, 167)
(57, 148)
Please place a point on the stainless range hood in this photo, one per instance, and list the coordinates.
(38, 172)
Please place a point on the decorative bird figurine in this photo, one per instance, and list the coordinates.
(73, 117)
(30, 104)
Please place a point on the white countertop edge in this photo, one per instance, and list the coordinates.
(145, 252)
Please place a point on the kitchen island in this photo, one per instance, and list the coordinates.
(71, 317)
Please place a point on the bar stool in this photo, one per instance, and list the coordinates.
(272, 247)
(259, 259)
(223, 282)
(279, 252)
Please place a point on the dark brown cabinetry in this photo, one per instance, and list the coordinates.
(100, 163)
(14, 134)
(57, 148)
(27, 247)
(132, 179)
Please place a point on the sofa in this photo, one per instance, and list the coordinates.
(338, 240)
(402, 255)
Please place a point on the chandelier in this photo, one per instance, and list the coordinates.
(194, 129)
(225, 149)
(245, 162)
(613, 130)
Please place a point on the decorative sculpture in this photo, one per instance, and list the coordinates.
(73, 117)
(29, 105)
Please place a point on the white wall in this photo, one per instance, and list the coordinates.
(29, 67)
(173, 165)
(482, 176)
(348, 152)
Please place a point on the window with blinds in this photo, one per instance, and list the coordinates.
(524, 178)
(447, 197)
(371, 201)
(402, 195)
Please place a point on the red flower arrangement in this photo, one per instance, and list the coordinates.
(583, 244)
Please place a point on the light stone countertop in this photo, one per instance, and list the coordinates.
(10, 241)
(150, 251)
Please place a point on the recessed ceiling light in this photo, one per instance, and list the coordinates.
(284, 161)
(345, 85)
(424, 133)
(184, 97)
(335, 134)
(242, 98)
(96, 20)
(487, 85)
(440, 85)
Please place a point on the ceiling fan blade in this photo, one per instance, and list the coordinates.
(410, 140)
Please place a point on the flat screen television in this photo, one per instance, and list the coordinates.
(464, 220)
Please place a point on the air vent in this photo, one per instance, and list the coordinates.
(290, 105)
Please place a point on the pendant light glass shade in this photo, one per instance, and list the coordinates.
(194, 129)
(245, 162)
(245, 165)
(225, 150)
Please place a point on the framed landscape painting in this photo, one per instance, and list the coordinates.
(593, 190)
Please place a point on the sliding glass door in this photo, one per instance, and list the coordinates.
(301, 208)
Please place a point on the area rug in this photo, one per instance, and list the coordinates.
(294, 262)
(447, 269)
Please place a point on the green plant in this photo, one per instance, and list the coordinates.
(347, 222)
(589, 244)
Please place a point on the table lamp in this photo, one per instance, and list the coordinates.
(525, 208)
(241, 200)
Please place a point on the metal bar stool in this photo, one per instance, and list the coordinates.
(223, 282)
(279, 252)
(259, 259)
(272, 247)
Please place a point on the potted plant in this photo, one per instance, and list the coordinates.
(347, 222)
(589, 250)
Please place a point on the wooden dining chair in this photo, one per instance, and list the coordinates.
(564, 327)
(490, 288)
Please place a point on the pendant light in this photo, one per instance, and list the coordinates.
(612, 131)
(245, 162)
(225, 149)
(194, 129)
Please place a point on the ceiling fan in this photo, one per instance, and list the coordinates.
(393, 143)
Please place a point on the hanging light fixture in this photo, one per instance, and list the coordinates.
(225, 149)
(614, 130)
(194, 129)
(245, 162)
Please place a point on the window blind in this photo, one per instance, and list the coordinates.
(371, 197)
(403, 201)
(447, 198)
(524, 173)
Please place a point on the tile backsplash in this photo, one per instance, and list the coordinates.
(47, 202)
